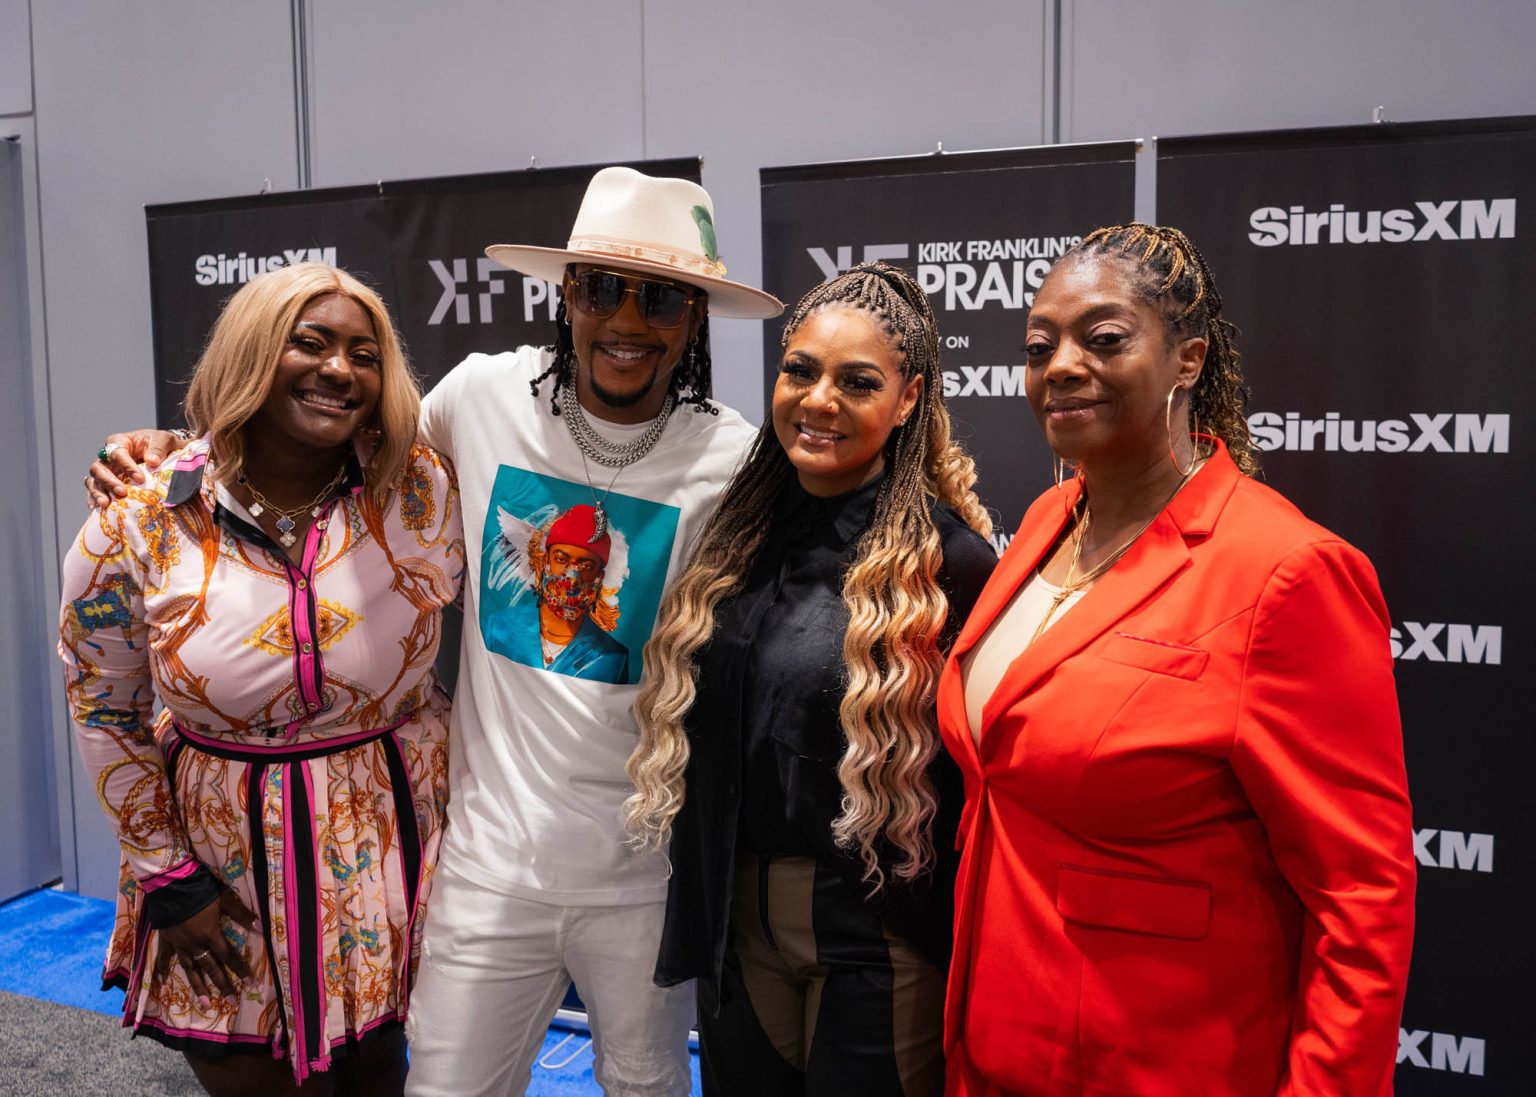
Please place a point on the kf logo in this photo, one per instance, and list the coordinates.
(454, 274)
(831, 268)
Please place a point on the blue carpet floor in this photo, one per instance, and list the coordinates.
(52, 944)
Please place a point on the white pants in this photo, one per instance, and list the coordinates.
(494, 969)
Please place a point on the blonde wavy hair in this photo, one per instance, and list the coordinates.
(234, 375)
(896, 607)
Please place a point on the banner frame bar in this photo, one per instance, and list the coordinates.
(922, 163)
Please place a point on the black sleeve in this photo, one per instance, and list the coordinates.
(180, 899)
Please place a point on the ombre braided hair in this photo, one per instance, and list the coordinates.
(1169, 273)
(896, 607)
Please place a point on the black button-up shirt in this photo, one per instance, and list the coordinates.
(765, 738)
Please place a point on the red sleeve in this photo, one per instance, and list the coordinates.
(1319, 750)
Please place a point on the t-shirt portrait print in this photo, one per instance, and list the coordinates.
(524, 580)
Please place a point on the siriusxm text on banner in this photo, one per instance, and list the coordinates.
(1419, 432)
(1467, 219)
(1441, 1051)
(224, 270)
(980, 233)
(1379, 277)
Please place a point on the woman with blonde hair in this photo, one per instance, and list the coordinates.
(276, 588)
(788, 752)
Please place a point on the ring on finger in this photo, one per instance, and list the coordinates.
(104, 454)
(87, 481)
(203, 955)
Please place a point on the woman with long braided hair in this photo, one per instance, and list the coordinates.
(1188, 862)
(788, 753)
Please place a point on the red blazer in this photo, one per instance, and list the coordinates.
(1188, 856)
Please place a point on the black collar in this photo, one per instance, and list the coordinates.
(797, 511)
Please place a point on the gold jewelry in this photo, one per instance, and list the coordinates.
(1074, 582)
(285, 518)
(1058, 466)
(1172, 454)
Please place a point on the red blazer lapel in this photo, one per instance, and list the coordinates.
(1157, 556)
(1042, 525)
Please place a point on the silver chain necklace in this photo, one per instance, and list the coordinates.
(617, 456)
(614, 455)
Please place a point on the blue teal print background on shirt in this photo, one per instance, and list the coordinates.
(508, 605)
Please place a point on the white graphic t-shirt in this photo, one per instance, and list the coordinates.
(558, 607)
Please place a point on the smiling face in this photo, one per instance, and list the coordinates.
(327, 381)
(1101, 364)
(839, 394)
(623, 365)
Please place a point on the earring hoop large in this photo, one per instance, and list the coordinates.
(1059, 468)
(1173, 455)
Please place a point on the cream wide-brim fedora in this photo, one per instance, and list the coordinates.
(649, 225)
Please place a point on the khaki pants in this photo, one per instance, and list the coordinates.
(817, 997)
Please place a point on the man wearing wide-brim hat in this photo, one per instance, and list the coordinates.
(536, 885)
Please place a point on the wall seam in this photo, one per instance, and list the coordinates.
(37, 337)
(299, 30)
(645, 114)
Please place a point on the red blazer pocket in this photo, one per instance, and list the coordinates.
(1159, 656)
(1138, 904)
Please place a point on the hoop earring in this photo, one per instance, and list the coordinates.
(1059, 467)
(1172, 453)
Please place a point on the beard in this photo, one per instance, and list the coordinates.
(621, 399)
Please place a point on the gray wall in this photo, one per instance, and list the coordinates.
(162, 100)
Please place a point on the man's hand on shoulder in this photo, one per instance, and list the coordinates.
(121, 461)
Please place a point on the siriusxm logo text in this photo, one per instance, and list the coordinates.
(1442, 643)
(1440, 432)
(1459, 1055)
(1467, 852)
(226, 270)
(984, 381)
(489, 283)
(1469, 219)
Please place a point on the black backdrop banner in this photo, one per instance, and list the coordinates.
(980, 230)
(420, 243)
(1383, 285)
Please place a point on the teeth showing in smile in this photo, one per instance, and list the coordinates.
(334, 402)
(625, 354)
(818, 435)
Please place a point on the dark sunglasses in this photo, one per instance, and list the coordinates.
(600, 293)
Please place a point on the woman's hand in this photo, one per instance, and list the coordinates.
(109, 477)
(214, 966)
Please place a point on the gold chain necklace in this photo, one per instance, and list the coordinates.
(1074, 582)
(285, 518)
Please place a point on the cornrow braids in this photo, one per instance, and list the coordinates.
(896, 607)
(691, 382)
(1170, 274)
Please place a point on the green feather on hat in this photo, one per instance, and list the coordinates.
(707, 233)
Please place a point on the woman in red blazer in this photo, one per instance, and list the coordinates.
(1187, 863)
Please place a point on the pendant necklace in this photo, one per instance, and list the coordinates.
(285, 518)
(1075, 582)
(617, 456)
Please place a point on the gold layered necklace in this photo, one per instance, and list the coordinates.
(1075, 582)
(285, 520)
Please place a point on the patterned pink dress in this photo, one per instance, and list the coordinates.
(300, 757)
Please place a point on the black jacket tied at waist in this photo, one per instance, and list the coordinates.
(765, 739)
